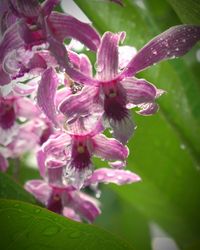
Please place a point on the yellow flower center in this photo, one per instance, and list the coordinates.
(80, 149)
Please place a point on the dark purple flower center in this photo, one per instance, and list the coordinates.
(81, 158)
(55, 203)
(114, 102)
(7, 114)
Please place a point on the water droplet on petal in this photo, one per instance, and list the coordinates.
(110, 174)
(99, 68)
(100, 177)
(154, 52)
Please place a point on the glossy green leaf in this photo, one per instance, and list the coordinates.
(165, 150)
(187, 10)
(10, 189)
(25, 226)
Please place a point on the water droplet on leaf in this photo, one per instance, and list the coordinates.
(75, 235)
(37, 210)
(50, 231)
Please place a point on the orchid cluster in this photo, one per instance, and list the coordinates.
(54, 102)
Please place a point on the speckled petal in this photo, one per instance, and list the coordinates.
(117, 176)
(174, 42)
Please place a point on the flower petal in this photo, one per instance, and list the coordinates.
(39, 189)
(117, 176)
(46, 94)
(174, 42)
(85, 206)
(37, 61)
(148, 108)
(48, 6)
(26, 8)
(107, 56)
(23, 107)
(70, 213)
(81, 62)
(11, 40)
(41, 157)
(60, 53)
(126, 53)
(123, 129)
(79, 104)
(64, 26)
(55, 176)
(7, 18)
(109, 149)
(4, 77)
(139, 90)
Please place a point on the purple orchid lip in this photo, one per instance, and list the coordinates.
(81, 157)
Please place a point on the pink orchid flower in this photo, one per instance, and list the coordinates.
(38, 28)
(117, 90)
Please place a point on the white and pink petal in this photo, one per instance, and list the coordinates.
(116, 176)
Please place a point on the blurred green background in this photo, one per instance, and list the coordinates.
(162, 211)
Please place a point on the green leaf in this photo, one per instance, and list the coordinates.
(10, 189)
(165, 150)
(24, 226)
(125, 221)
(187, 10)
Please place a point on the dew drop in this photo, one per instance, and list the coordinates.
(197, 167)
(184, 40)
(154, 52)
(37, 210)
(183, 146)
(50, 231)
(99, 68)
(75, 235)
(98, 194)
(110, 174)
(100, 177)
(177, 49)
